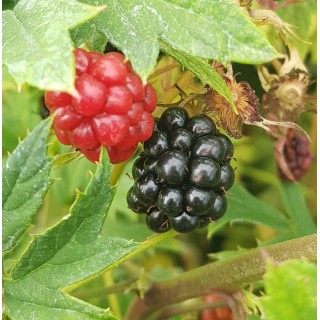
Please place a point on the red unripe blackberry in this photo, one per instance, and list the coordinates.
(183, 173)
(112, 107)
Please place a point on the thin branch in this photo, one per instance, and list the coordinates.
(122, 286)
(163, 70)
(228, 275)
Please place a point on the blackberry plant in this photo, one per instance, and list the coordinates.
(84, 85)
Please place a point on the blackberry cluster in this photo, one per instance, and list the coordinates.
(112, 107)
(181, 177)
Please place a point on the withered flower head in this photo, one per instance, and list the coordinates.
(246, 103)
(293, 156)
(287, 95)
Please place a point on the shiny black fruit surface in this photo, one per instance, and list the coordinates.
(181, 178)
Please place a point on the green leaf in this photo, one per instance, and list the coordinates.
(25, 181)
(64, 255)
(291, 290)
(244, 207)
(216, 29)
(302, 15)
(296, 208)
(20, 114)
(201, 69)
(7, 81)
(88, 34)
(9, 4)
(36, 46)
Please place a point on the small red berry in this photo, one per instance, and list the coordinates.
(150, 100)
(83, 136)
(62, 136)
(95, 56)
(135, 86)
(119, 100)
(146, 126)
(55, 99)
(110, 128)
(130, 140)
(109, 71)
(135, 113)
(117, 156)
(66, 118)
(120, 57)
(82, 60)
(92, 154)
(92, 95)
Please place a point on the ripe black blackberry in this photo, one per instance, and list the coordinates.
(181, 177)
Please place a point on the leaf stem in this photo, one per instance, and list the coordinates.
(163, 70)
(150, 242)
(228, 275)
(112, 299)
(116, 173)
(85, 294)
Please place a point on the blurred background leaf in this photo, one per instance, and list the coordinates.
(20, 113)
(290, 291)
(242, 206)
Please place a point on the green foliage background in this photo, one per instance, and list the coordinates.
(78, 254)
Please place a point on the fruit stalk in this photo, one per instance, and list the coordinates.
(227, 275)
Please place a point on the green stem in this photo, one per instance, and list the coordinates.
(116, 173)
(112, 299)
(149, 243)
(227, 275)
(86, 294)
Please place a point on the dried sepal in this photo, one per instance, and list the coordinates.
(269, 126)
(286, 90)
(287, 96)
(246, 103)
(268, 17)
